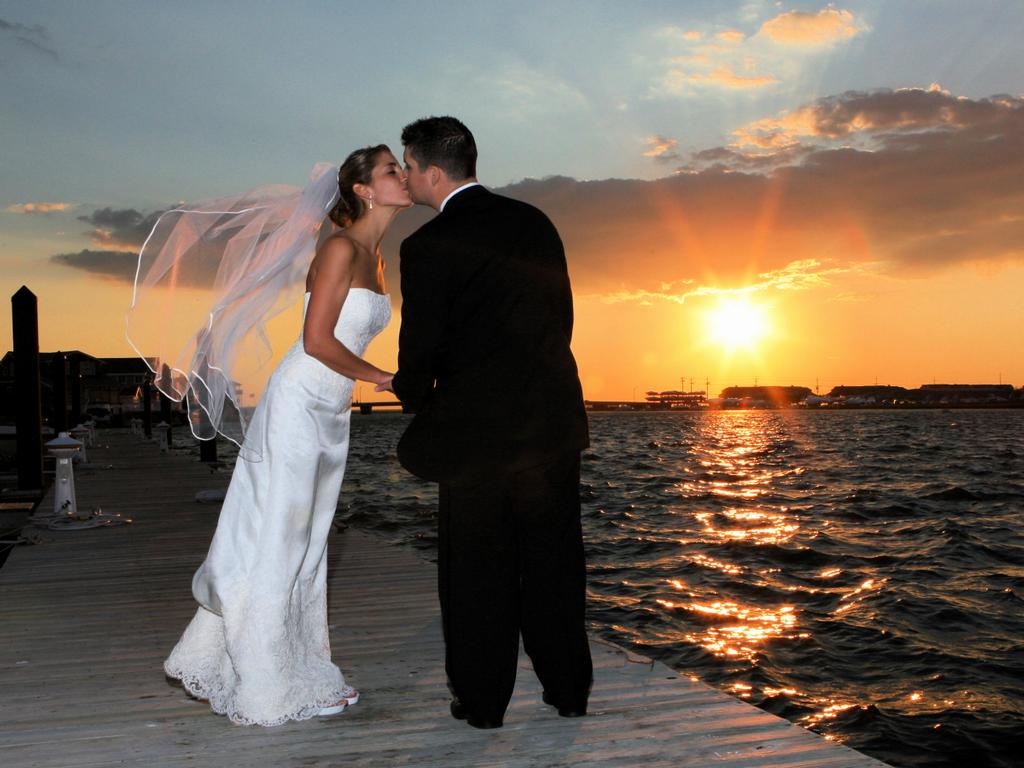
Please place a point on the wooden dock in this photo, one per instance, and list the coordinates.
(87, 617)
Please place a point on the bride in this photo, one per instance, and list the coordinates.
(258, 648)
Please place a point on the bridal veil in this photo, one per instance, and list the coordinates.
(209, 277)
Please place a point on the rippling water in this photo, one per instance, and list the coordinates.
(857, 572)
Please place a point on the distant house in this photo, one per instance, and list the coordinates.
(117, 383)
(107, 385)
(85, 364)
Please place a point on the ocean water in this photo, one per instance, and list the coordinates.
(860, 573)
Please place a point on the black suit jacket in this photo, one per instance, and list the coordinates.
(483, 355)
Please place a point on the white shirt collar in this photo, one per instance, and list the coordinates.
(456, 191)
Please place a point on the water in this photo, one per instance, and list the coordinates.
(860, 573)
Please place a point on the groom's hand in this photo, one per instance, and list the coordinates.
(385, 385)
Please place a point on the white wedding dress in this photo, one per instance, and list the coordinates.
(258, 647)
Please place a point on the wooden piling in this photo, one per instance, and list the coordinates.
(147, 408)
(58, 380)
(75, 382)
(208, 450)
(29, 420)
(165, 402)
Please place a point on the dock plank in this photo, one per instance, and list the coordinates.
(87, 617)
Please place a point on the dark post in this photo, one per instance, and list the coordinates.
(75, 376)
(147, 407)
(208, 449)
(29, 421)
(165, 402)
(59, 378)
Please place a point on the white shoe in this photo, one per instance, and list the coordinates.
(349, 696)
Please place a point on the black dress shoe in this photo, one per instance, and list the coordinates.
(459, 712)
(564, 711)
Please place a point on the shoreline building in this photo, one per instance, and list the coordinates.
(674, 398)
(763, 396)
(100, 387)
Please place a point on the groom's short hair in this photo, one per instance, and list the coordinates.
(444, 142)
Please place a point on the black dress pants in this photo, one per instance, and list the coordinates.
(510, 561)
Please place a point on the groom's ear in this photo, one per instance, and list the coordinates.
(435, 174)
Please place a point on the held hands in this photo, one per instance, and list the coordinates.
(384, 385)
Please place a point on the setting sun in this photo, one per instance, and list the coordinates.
(737, 323)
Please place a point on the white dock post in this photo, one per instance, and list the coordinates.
(163, 428)
(63, 448)
(82, 435)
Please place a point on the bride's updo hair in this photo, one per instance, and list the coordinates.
(357, 169)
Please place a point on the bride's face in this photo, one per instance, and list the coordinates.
(390, 182)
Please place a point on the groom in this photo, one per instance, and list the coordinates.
(484, 362)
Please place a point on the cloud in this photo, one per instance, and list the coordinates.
(901, 114)
(671, 31)
(729, 58)
(116, 265)
(35, 38)
(120, 228)
(661, 148)
(811, 28)
(118, 234)
(854, 297)
(679, 81)
(526, 92)
(796, 276)
(900, 183)
(904, 182)
(38, 208)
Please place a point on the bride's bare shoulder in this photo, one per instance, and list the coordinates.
(334, 256)
(337, 246)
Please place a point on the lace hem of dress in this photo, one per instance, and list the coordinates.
(219, 700)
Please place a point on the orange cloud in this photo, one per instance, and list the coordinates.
(782, 49)
(677, 81)
(37, 208)
(906, 182)
(795, 276)
(862, 112)
(691, 35)
(661, 148)
(810, 28)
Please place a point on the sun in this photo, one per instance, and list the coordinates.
(737, 323)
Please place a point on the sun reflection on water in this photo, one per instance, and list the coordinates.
(733, 629)
(741, 465)
(710, 562)
(858, 594)
(733, 468)
(830, 711)
(754, 526)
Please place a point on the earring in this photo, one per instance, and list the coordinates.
(371, 203)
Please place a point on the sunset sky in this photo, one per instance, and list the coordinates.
(792, 193)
